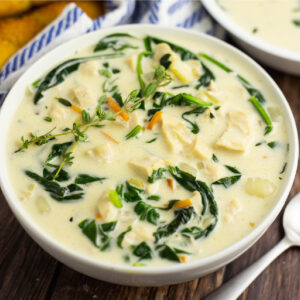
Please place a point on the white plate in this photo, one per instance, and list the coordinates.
(275, 57)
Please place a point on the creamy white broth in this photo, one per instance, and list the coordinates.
(240, 207)
(274, 21)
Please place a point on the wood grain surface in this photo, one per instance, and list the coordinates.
(28, 272)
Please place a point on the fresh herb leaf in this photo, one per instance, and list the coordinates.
(58, 74)
(86, 117)
(94, 233)
(195, 232)
(263, 114)
(48, 119)
(85, 179)
(180, 86)
(62, 176)
(187, 99)
(135, 131)
(58, 150)
(139, 68)
(153, 197)
(142, 250)
(121, 236)
(118, 97)
(64, 102)
(115, 71)
(105, 72)
(254, 30)
(114, 41)
(151, 141)
(157, 174)
(272, 145)
(133, 193)
(215, 62)
(232, 169)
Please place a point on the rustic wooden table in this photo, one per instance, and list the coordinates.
(28, 272)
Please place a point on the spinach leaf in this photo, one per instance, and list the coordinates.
(62, 176)
(121, 236)
(57, 192)
(296, 22)
(94, 233)
(228, 181)
(232, 169)
(190, 183)
(64, 102)
(118, 97)
(263, 114)
(153, 198)
(206, 77)
(187, 99)
(114, 41)
(272, 145)
(85, 179)
(58, 74)
(106, 227)
(165, 61)
(157, 174)
(196, 111)
(142, 250)
(133, 193)
(146, 211)
(184, 53)
(166, 252)
(182, 217)
(58, 150)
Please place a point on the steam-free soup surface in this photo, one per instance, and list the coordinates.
(274, 21)
(147, 156)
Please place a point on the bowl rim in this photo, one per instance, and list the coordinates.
(232, 27)
(47, 242)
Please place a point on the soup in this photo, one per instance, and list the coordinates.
(274, 21)
(140, 151)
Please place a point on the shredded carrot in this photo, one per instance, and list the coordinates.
(98, 216)
(252, 224)
(170, 182)
(183, 203)
(182, 258)
(76, 108)
(113, 105)
(156, 118)
(109, 137)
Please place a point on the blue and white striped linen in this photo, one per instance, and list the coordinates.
(73, 22)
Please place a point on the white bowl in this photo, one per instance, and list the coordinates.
(128, 275)
(273, 56)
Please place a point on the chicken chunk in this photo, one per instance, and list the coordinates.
(177, 136)
(107, 211)
(89, 68)
(200, 149)
(237, 134)
(140, 232)
(103, 153)
(59, 113)
(210, 170)
(145, 166)
(83, 97)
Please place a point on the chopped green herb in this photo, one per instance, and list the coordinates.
(211, 115)
(272, 145)
(180, 86)
(254, 30)
(105, 72)
(115, 71)
(134, 132)
(296, 22)
(151, 141)
(115, 199)
(64, 102)
(153, 197)
(86, 117)
(106, 227)
(283, 168)
(48, 119)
